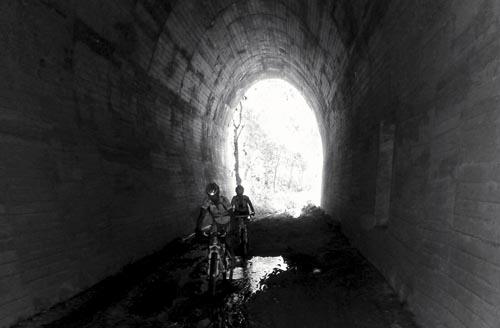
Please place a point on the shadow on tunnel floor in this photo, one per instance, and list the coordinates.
(328, 283)
(82, 309)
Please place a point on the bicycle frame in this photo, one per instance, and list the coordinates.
(243, 233)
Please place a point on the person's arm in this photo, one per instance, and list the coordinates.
(227, 205)
(251, 206)
(199, 220)
(233, 203)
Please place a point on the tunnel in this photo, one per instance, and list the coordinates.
(114, 117)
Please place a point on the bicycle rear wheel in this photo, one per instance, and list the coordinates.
(244, 244)
(212, 275)
(229, 266)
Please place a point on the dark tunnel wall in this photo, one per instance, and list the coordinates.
(101, 163)
(113, 117)
(414, 156)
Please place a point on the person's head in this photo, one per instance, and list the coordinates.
(212, 190)
(239, 190)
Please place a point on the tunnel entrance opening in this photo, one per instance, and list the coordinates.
(275, 143)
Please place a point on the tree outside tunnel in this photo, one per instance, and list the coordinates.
(276, 145)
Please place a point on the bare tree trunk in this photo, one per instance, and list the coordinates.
(237, 131)
(236, 159)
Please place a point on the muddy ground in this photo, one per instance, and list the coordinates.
(302, 273)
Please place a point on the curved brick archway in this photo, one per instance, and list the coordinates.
(113, 114)
(243, 42)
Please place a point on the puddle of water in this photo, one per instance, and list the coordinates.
(258, 268)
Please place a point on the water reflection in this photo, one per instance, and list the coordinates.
(257, 269)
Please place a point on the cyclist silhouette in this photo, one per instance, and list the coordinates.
(218, 207)
(240, 203)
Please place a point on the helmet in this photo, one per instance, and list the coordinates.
(212, 189)
(239, 189)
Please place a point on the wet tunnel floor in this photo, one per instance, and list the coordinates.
(303, 273)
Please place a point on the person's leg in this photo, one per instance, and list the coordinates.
(229, 238)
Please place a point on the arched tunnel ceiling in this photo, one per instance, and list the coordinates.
(113, 117)
(227, 46)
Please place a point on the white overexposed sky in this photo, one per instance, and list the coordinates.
(280, 105)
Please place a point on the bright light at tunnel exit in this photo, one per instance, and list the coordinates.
(281, 155)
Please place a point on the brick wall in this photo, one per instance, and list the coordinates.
(101, 163)
(431, 68)
(113, 116)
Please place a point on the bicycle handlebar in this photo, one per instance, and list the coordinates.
(243, 216)
(219, 234)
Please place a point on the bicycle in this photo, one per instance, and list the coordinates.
(242, 233)
(219, 260)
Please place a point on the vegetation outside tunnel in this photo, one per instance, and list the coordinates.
(277, 147)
